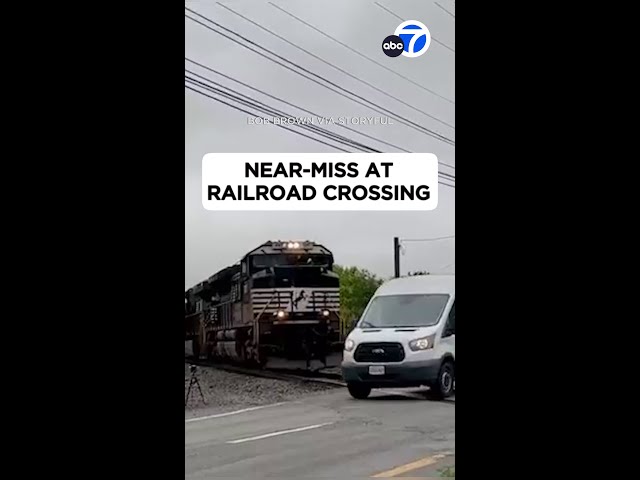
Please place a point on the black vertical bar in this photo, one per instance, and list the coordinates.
(396, 256)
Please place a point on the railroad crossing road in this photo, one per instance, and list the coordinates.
(399, 434)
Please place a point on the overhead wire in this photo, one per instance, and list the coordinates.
(258, 116)
(402, 19)
(253, 103)
(264, 108)
(445, 10)
(231, 78)
(246, 85)
(196, 90)
(387, 94)
(377, 108)
(269, 110)
(362, 54)
(426, 239)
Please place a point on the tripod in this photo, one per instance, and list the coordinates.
(194, 381)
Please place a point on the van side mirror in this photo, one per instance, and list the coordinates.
(449, 330)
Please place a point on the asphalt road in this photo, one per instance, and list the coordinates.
(328, 435)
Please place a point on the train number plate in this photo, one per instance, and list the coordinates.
(376, 370)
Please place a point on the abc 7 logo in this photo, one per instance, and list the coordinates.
(411, 39)
(393, 46)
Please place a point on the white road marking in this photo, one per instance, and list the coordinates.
(282, 432)
(236, 412)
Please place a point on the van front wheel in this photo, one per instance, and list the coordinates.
(358, 390)
(443, 386)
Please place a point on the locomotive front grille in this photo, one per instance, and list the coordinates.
(379, 352)
(301, 299)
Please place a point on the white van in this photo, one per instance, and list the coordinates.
(405, 338)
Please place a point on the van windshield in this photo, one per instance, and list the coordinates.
(392, 311)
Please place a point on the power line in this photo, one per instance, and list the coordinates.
(258, 116)
(334, 66)
(362, 54)
(250, 104)
(402, 20)
(389, 11)
(291, 104)
(446, 176)
(228, 77)
(403, 120)
(443, 44)
(445, 10)
(331, 135)
(279, 125)
(426, 239)
(264, 108)
(267, 109)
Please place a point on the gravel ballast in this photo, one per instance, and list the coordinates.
(227, 390)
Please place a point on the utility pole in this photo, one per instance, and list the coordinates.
(397, 246)
(396, 256)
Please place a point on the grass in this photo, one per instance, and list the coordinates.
(449, 472)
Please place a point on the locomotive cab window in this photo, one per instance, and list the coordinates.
(289, 260)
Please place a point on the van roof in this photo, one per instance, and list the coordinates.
(419, 284)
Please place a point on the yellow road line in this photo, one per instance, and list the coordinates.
(402, 469)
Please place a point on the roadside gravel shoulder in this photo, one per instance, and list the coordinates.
(225, 391)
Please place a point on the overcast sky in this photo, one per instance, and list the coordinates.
(214, 239)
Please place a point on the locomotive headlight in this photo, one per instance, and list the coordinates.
(281, 314)
(423, 343)
(296, 245)
(290, 245)
(326, 313)
(349, 344)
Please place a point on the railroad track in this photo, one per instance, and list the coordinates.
(307, 377)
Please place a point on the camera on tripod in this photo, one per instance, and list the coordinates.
(194, 381)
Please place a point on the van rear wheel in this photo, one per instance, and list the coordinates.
(358, 390)
(443, 386)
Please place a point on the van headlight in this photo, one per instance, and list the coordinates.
(423, 343)
(349, 344)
